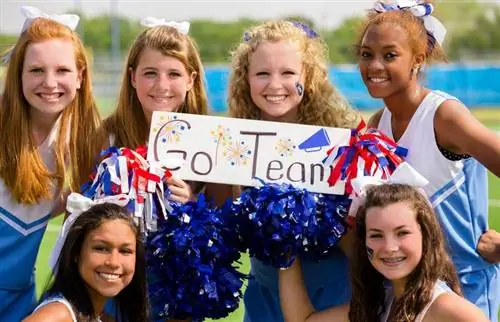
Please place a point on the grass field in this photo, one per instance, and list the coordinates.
(490, 117)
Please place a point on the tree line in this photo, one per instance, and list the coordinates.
(473, 33)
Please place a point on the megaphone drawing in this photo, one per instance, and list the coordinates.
(315, 142)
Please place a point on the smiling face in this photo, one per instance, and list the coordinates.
(107, 259)
(50, 78)
(274, 70)
(386, 60)
(161, 82)
(393, 240)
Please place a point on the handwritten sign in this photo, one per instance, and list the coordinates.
(237, 151)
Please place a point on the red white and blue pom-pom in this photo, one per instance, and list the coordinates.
(369, 153)
(125, 171)
(191, 266)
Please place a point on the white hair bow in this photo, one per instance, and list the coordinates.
(404, 174)
(182, 27)
(418, 9)
(31, 13)
(76, 204)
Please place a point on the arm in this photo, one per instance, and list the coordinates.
(451, 307)
(60, 206)
(219, 193)
(295, 302)
(346, 244)
(458, 131)
(52, 312)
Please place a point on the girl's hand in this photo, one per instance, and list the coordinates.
(489, 246)
(179, 190)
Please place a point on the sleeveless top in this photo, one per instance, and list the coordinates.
(458, 190)
(58, 298)
(439, 288)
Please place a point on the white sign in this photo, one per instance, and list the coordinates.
(237, 151)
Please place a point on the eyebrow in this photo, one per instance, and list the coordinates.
(379, 230)
(108, 243)
(385, 47)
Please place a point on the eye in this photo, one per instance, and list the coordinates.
(126, 251)
(150, 73)
(289, 72)
(64, 70)
(262, 74)
(375, 236)
(36, 70)
(365, 54)
(390, 56)
(100, 248)
(402, 233)
(174, 74)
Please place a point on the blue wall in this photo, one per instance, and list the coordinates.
(475, 85)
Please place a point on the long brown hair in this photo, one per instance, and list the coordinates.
(128, 123)
(322, 104)
(21, 166)
(367, 302)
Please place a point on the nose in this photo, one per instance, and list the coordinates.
(391, 244)
(163, 82)
(275, 82)
(50, 80)
(376, 64)
(112, 259)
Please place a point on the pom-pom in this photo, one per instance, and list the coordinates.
(125, 171)
(326, 227)
(369, 153)
(191, 266)
(274, 219)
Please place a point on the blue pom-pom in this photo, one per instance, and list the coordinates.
(326, 227)
(191, 267)
(273, 221)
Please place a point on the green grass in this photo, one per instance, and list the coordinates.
(490, 117)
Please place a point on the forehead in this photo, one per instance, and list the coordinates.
(385, 34)
(54, 51)
(113, 231)
(390, 216)
(154, 58)
(284, 52)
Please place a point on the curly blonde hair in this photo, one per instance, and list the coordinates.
(321, 104)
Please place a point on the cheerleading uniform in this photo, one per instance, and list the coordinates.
(21, 231)
(439, 288)
(458, 191)
(59, 298)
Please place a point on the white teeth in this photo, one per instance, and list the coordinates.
(109, 276)
(377, 79)
(275, 98)
(49, 97)
(393, 260)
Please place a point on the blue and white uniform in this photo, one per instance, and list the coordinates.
(21, 231)
(458, 191)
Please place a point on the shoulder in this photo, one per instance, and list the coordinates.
(374, 120)
(450, 109)
(52, 312)
(451, 307)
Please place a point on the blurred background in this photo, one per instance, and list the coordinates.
(108, 27)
